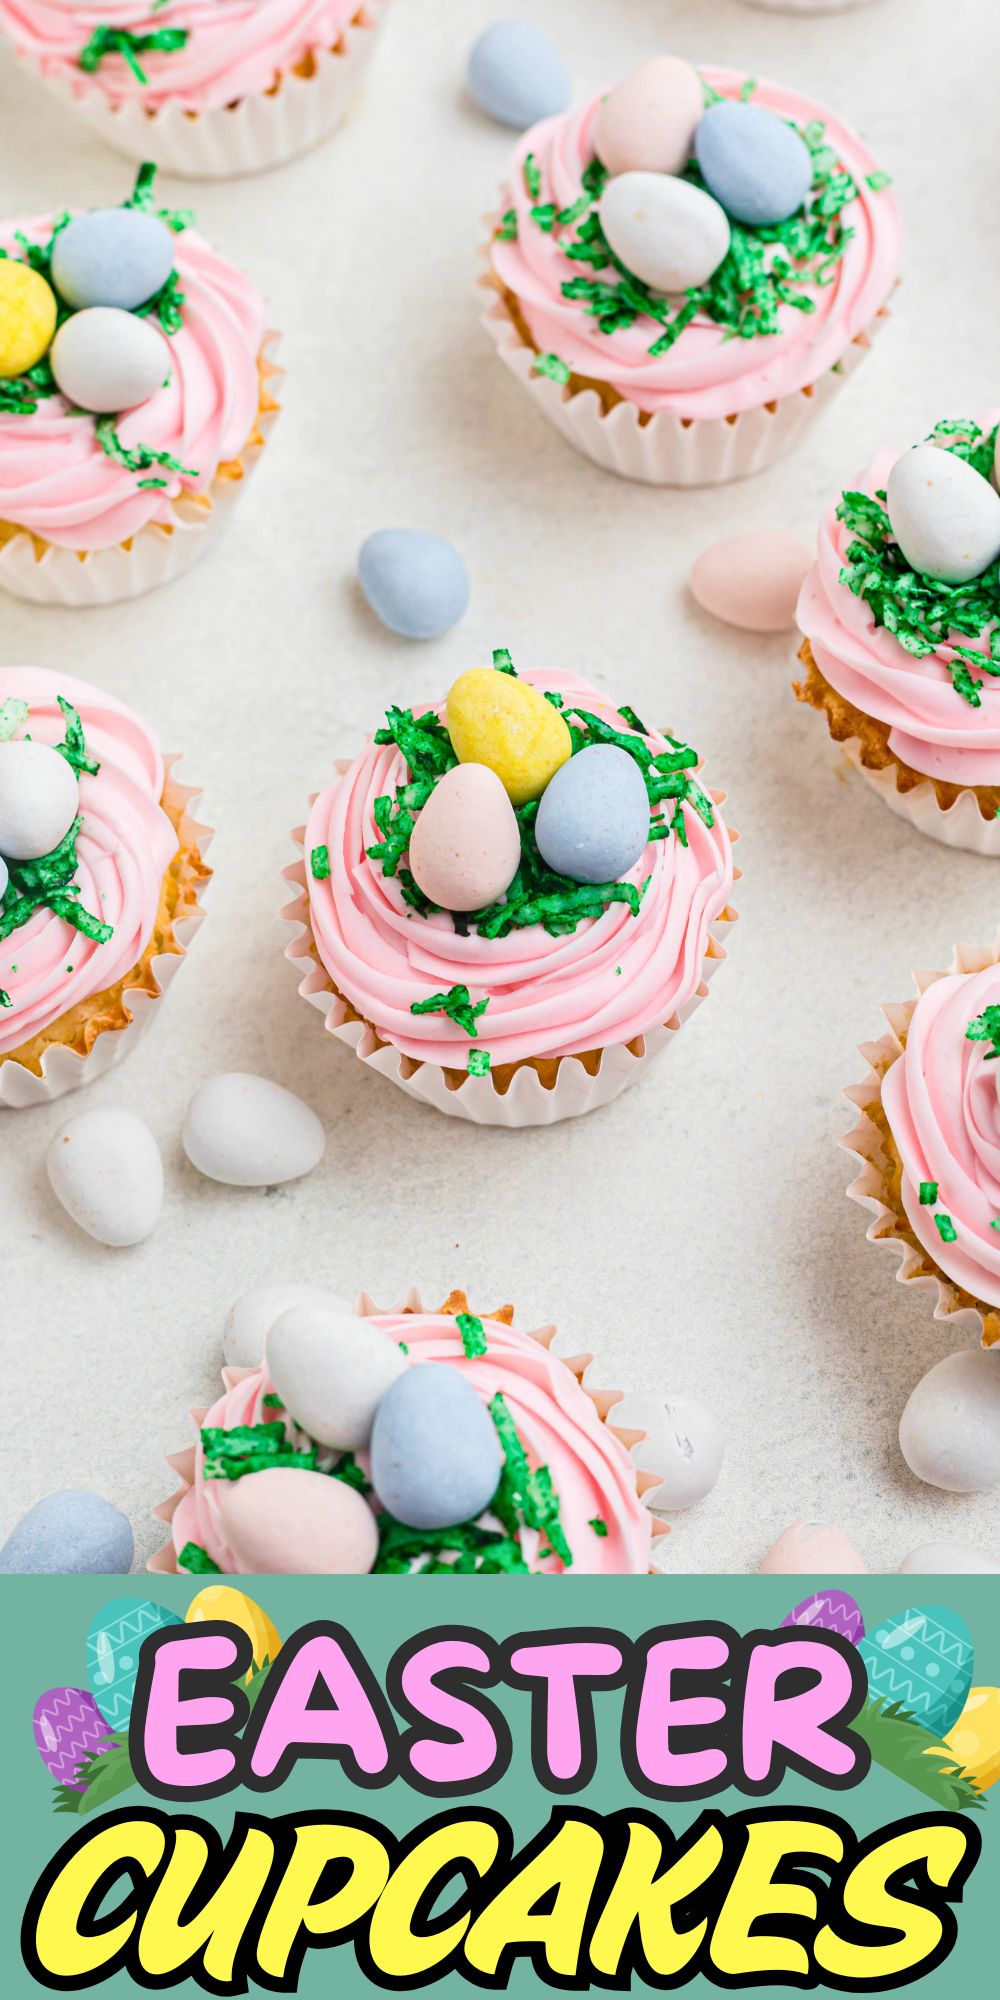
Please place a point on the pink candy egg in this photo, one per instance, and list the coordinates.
(753, 580)
(648, 120)
(286, 1520)
(812, 1546)
(466, 847)
(69, 1728)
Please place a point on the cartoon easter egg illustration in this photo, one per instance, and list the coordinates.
(921, 1658)
(833, 1611)
(975, 1737)
(113, 1642)
(220, 1600)
(69, 1728)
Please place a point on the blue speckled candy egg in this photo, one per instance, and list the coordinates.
(832, 1611)
(593, 820)
(517, 75)
(414, 581)
(435, 1454)
(112, 257)
(921, 1658)
(72, 1533)
(113, 1644)
(753, 163)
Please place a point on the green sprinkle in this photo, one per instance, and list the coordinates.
(986, 1028)
(319, 863)
(177, 219)
(945, 1228)
(467, 1550)
(473, 1337)
(878, 180)
(553, 366)
(506, 229)
(5, 999)
(229, 1454)
(403, 1348)
(928, 1193)
(479, 1062)
(532, 176)
(166, 304)
(456, 1004)
(272, 1401)
(48, 880)
(108, 41)
(13, 716)
(525, 1498)
(136, 458)
(544, 215)
(349, 1472)
(995, 1224)
(600, 1527)
(502, 661)
(197, 1561)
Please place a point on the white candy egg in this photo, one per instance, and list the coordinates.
(39, 798)
(949, 1432)
(665, 231)
(948, 1559)
(107, 360)
(250, 1320)
(106, 1170)
(331, 1371)
(683, 1446)
(945, 515)
(249, 1132)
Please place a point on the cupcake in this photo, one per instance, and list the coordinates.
(901, 647)
(929, 1139)
(421, 1443)
(509, 903)
(100, 871)
(208, 88)
(685, 271)
(135, 394)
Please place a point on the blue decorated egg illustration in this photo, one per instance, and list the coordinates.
(921, 1658)
(832, 1611)
(113, 1643)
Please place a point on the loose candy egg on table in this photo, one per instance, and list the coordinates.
(114, 1642)
(832, 1611)
(811, 1545)
(331, 1370)
(222, 1601)
(753, 163)
(69, 1730)
(752, 580)
(593, 818)
(949, 1432)
(948, 1559)
(665, 231)
(250, 1320)
(415, 582)
(516, 74)
(975, 1737)
(684, 1445)
(105, 1169)
(496, 720)
(27, 317)
(944, 514)
(249, 1132)
(922, 1658)
(39, 799)
(646, 124)
(69, 1533)
(289, 1520)
(466, 846)
(106, 360)
(112, 257)
(435, 1454)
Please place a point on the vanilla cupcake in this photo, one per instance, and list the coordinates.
(685, 272)
(417, 1443)
(100, 871)
(509, 904)
(207, 88)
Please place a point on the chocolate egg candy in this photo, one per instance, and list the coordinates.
(250, 1320)
(647, 122)
(593, 819)
(752, 580)
(975, 1738)
(286, 1520)
(948, 1559)
(944, 514)
(114, 1641)
(754, 163)
(922, 1658)
(435, 1455)
(249, 1132)
(832, 1611)
(221, 1601)
(517, 75)
(466, 846)
(496, 720)
(415, 582)
(105, 1169)
(69, 1729)
(70, 1533)
(811, 1545)
(39, 799)
(27, 317)
(106, 360)
(331, 1371)
(112, 257)
(666, 232)
(949, 1432)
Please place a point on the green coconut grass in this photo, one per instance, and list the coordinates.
(109, 1772)
(901, 1745)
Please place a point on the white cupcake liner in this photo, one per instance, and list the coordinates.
(958, 825)
(249, 137)
(157, 555)
(66, 1069)
(666, 450)
(164, 1563)
(865, 1142)
(527, 1101)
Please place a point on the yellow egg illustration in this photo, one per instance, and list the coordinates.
(496, 720)
(975, 1737)
(27, 316)
(220, 1600)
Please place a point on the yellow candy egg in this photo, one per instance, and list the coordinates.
(220, 1600)
(27, 316)
(975, 1737)
(496, 720)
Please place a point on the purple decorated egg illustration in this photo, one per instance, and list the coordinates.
(69, 1728)
(833, 1610)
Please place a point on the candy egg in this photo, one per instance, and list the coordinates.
(415, 582)
(496, 720)
(948, 1559)
(683, 1445)
(944, 514)
(112, 257)
(220, 1600)
(289, 1520)
(752, 580)
(517, 75)
(250, 1320)
(754, 163)
(921, 1658)
(975, 1737)
(69, 1729)
(466, 846)
(4, 878)
(949, 1432)
(105, 1169)
(832, 1611)
(666, 232)
(105, 360)
(27, 316)
(39, 799)
(811, 1545)
(70, 1533)
(435, 1454)
(114, 1641)
(647, 122)
(331, 1371)
(249, 1132)
(593, 819)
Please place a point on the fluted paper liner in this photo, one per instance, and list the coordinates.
(889, 1230)
(959, 825)
(164, 1563)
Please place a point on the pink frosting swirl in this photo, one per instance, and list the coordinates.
(56, 481)
(705, 373)
(124, 848)
(235, 48)
(931, 727)
(942, 1101)
(616, 976)
(558, 1425)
